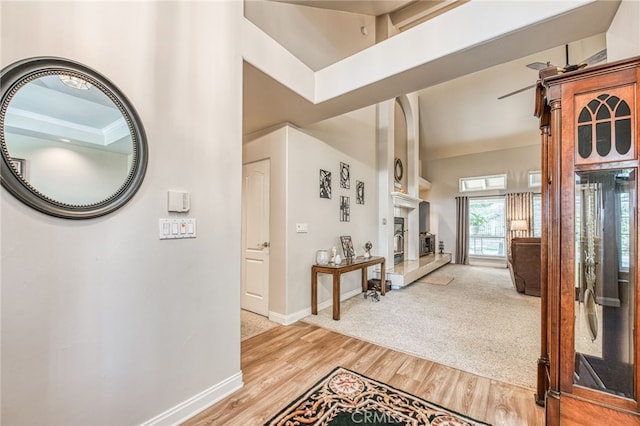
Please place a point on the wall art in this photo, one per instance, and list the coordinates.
(359, 192)
(345, 214)
(345, 178)
(325, 184)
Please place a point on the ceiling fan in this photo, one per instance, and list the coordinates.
(538, 66)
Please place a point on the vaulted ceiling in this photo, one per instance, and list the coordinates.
(459, 107)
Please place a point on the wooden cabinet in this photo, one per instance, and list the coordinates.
(588, 369)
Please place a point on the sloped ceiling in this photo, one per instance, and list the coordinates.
(460, 112)
(365, 7)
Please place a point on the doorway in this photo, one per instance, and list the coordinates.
(255, 237)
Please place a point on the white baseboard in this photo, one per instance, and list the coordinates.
(492, 263)
(197, 403)
(289, 319)
(297, 316)
(279, 318)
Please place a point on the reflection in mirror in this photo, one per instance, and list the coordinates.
(72, 144)
(74, 140)
(605, 255)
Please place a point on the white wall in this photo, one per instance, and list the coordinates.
(103, 323)
(623, 37)
(350, 133)
(70, 173)
(296, 157)
(273, 146)
(444, 174)
(318, 37)
(307, 155)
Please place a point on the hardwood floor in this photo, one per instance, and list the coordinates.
(281, 363)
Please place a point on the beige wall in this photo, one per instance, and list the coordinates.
(444, 174)
(296, 157)
(623, 37)
(350, 133)
(103, 323)
(318, 37)
(307, 156)
(273, 146)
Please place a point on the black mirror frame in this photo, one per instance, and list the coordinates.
(398, 170)
(12, 78)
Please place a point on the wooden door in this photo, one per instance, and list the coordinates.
(255, 237)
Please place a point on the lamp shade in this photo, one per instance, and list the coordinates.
(519, 225)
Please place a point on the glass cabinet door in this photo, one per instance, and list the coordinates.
(604, 281)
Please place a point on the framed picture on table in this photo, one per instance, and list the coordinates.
(347, 247)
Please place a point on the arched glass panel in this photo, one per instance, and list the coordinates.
(585, 116)
(603, 138)
(623, 110)
(603, 113)
(585, 143)
(623, 135)
(593, 105)
(612, 102)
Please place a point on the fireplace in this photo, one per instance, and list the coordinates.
(427, 243)
(398, 239)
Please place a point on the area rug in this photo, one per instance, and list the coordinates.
(436, 279)
(345, 397)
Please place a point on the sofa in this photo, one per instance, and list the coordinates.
(524, 265)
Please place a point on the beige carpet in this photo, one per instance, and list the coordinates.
(436, 279)
(253, 324)
(478, 323)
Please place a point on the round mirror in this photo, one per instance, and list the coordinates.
(72, 144)
(398, 170)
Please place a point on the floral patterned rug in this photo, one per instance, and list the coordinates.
(345, 397)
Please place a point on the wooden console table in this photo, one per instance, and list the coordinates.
(337, 271)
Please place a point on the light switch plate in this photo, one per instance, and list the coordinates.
(302, 228)
(171, 229)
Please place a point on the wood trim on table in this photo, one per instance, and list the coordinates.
(336, 271)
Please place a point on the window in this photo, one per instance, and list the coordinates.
(535, 179)
(483, 183)
(623, 222)
(537, 215)
(487, 227)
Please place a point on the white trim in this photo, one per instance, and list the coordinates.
(279, 318)
(297, 316)
(535, 179)
(401, 199)
(198, 403)
(494, 262)
(482, 183)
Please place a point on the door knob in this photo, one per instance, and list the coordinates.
(265, 245)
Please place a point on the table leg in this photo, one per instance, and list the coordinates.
(314, 292)
(365, 284)
(383, 278)
(336, 295)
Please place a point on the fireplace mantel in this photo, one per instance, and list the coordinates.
(400, 199)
